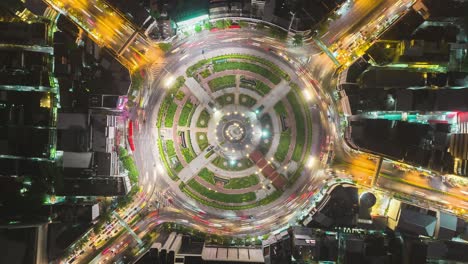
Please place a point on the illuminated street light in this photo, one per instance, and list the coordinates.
(169, 81)
(310, 162)
(307, 95)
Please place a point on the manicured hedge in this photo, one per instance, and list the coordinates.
(207, 175)
(235, 65)
(221, 197)
(185, 114)
(283, 146)
(241, 183)
(222, 82)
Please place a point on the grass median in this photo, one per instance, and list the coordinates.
(221, 197)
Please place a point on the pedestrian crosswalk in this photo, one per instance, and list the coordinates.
(163, 202)
(155, 70)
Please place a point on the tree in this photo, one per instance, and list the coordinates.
(298, 40)
(208, 26)
(165, 46)
(278, 33)
(220, 24)
(198, 28)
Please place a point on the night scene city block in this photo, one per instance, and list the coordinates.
(233, 131)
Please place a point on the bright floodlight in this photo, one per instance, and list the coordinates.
(169, 81)
(310, 162)
(160, 168)
(307, 95)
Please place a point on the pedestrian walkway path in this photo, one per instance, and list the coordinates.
(273, 97)
(191, 169)
(197, 90)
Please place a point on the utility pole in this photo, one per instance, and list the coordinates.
(292, 19)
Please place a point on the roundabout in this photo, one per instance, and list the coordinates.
(237, 139)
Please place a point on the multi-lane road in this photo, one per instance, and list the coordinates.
(110, 29)
(313, 66)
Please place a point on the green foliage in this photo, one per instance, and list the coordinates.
(221, 24)
(275, 195)
(188, 154)
(262, 88)
(129, 165)
(202, 143)
(179, 82)
(170, 148)
(180, 95)
(169, 120)
(273, 67)
(225, 99)
(185, 114)
(243, 24)
(234, 65)
(282, 151)
(208, 26)
(241, 183)
(165, 46)
(219, 162)
(205, 116)
(162, 154)
(207, 175)
(168, 106)
(155, 14)
(221, 197)
(137, 82)
(249, 101)
(280, 109)
(222, 82)
(278, 33)
(298, 40)
(194, 68)
(205, 73)
(300, 126)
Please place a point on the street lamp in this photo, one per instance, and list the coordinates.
(307, 95)
(169, 81)
(292, 19)
(310, 162)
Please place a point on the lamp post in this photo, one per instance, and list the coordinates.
(292, 19)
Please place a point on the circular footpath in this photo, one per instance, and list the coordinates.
(234, 133)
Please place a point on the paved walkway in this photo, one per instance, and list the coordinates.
(192, 169)
(197, 90)
(231, 174)
(245, 91)
(274, 96)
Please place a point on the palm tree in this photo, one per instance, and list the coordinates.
(298, 40)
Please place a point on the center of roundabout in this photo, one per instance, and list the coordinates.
(235, 131)
(234, 134)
